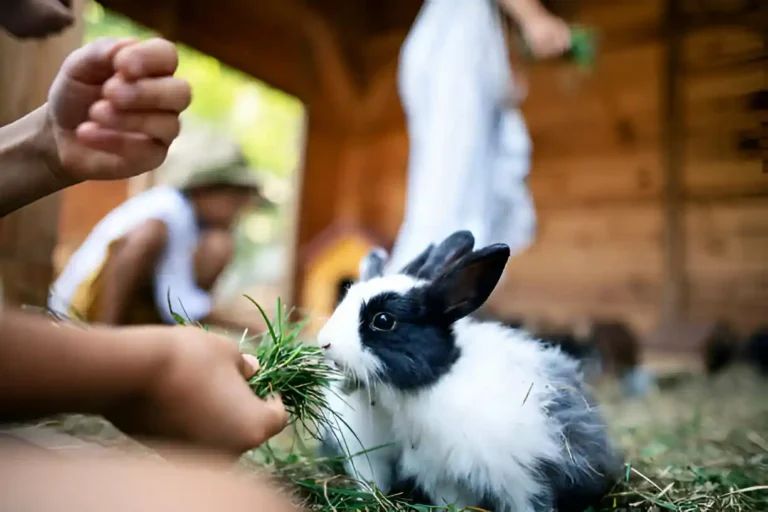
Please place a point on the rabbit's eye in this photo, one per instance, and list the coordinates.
(383, 322)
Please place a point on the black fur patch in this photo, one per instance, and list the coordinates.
(408, 490)
(421, 347)
(563, 496)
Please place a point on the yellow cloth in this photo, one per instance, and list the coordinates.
(86, 301)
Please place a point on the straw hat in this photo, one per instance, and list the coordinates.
(202, 156)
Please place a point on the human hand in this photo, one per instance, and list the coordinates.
(35, 18)
(199, 394)
(547, 35)
(114, 109)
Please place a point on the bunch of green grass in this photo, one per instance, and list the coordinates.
(294, 370)
(320, 485)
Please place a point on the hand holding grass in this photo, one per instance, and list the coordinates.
(198, 393)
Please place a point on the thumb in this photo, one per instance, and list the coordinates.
(248, 366)
(93, 63)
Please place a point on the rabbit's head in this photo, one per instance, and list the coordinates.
(397, 329)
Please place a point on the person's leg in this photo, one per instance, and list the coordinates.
(449, 129)
(215, 250)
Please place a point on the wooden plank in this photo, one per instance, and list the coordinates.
(715, 48)
(602, 244)
(580, 179)
(728, 236)
(737, 83)
(727, 260)
(621, 14)
(723, 177)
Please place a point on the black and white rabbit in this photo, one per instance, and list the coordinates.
(469, 414)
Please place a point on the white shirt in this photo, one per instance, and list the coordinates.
(174, 277)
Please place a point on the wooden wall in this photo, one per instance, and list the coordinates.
(82, 207)
(602, 179)
(601, 169)
(28, 237)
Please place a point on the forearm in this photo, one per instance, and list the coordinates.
(48, 367)
(121, 276)
(28, 162)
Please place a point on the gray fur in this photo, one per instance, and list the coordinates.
(373, 264)
(592, 465)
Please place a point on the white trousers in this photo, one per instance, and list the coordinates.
(469, 152)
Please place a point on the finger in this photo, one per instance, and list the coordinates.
(275, 403)
(161, 126)
(268, 418)
(166, 93)
(253, 420)
(249, 365)
(92, 64)
(151, 58)
(131, 153)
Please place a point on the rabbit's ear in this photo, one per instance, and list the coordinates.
(414, 267)
(451, 249)
(465, 286)
(373, 264)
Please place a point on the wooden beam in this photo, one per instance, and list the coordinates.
(674, 302)
(258, 45)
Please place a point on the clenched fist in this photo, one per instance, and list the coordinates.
(114, 108)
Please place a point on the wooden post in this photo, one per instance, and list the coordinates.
(352, 130)
(674, 302)
(28, 237)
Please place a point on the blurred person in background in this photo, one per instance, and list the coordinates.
(161, 252)
(469, 147)
(175, 384)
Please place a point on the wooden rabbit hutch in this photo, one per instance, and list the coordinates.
(649, 174)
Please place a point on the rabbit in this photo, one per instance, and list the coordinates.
(471, 413)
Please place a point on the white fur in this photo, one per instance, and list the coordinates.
(363, 433)
(482, 424)
(481, 428)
